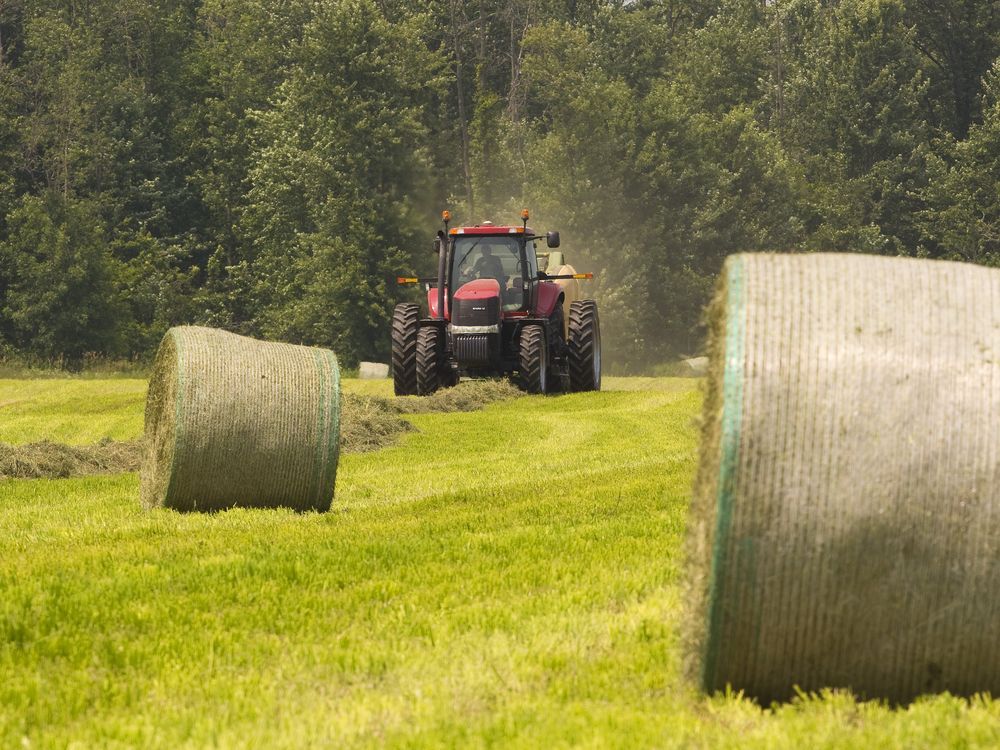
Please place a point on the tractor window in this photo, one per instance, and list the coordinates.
(488, 257)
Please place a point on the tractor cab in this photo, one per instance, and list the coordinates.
(506, 255)
(501, 258)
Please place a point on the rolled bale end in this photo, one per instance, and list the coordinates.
(571, 292)
(845, 524)
(236, 422)
(373, 371)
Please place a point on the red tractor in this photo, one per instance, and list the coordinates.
(493, 312)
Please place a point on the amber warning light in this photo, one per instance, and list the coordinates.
(407, 279)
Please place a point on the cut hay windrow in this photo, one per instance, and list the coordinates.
(370, 422)
(56, 460)
(469, 395)
(845, 529)
(231, 421)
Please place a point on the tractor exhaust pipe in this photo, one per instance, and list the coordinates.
(442, 261)
(442, 270)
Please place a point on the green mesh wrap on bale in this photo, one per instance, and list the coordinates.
(231, 421)
(845, 529)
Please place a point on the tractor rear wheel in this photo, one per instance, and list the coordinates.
(428, 360)
(405, 324)
(533, 358)
(584, 346)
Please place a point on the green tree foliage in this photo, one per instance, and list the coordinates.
(331, 215)
(269, 167)
(959, 40)
(60, 301)
(853, 111)
(961, 215)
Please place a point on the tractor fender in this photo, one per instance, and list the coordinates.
(432, 303)
(549, 293)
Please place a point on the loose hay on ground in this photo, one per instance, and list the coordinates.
(369, 422)
(57, 460)
(845, 525)
(469, 395)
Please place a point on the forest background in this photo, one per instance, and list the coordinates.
(271, 166)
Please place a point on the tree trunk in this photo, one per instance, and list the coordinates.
(460, 91)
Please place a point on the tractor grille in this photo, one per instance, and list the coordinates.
(475, 312)
(475, 349)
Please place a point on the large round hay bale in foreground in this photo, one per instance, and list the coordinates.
(845, 530)
(231, 421)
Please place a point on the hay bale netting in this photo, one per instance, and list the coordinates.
(845, 530)
(231, 421)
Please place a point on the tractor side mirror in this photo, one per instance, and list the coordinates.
(552, 239)
(438, 242)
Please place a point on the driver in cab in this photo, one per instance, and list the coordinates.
(488, 266)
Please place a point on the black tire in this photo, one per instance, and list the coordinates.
(449, 377)
(405, 324)
(533, 359)
(428, 360)
(584, 346)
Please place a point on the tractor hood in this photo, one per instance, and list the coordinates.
(476, 306)
(479, 289)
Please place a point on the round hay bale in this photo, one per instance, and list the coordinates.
(571, 292)
(373, 370)
(845, 529)
(231, 421)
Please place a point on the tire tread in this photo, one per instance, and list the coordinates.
(405, 325)
(428, 360)
(530, 359)
(584, 338)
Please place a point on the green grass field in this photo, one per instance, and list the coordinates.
(73, 411)
(500, 578)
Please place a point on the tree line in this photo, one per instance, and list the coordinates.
(270, 166)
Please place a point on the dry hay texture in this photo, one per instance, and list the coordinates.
(845, 529)
(56, 460)
(231, 421)
(370, 422)
(469, 395)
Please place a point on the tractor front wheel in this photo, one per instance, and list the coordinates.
(533, 356)
(584, 346)
(428, 360)
(405, 324)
